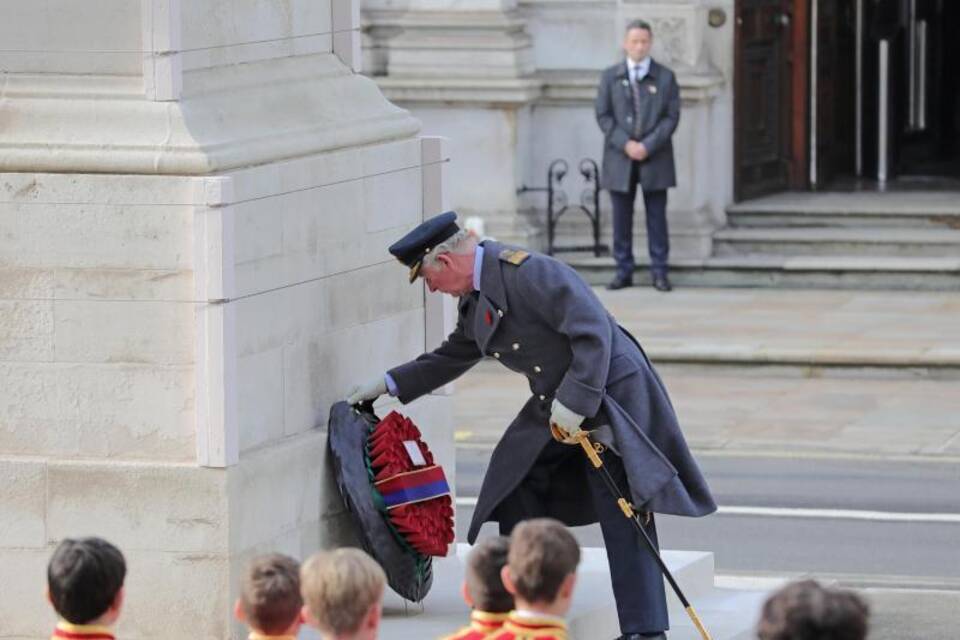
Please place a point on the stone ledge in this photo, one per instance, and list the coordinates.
(248, 114)
(578, 86)
(557, 87)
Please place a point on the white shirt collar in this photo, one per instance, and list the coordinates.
(524, 613)
(638, 69)
(477, 266)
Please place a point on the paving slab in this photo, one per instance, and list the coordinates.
(777, 406)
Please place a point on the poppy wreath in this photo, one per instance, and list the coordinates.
(414, 498)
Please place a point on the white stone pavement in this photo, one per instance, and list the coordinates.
(841, 372)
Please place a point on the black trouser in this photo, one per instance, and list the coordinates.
(658, 239)
(637, 581)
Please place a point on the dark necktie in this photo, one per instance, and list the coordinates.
(635, 86)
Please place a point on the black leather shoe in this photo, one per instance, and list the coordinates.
(643, 636)
(620, 283)
(661, 283)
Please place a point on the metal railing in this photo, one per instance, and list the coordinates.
(558, 204)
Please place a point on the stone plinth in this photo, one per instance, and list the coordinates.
(195, 204)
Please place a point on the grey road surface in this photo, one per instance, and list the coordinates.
(890, 528)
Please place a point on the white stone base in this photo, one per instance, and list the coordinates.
(727, 613)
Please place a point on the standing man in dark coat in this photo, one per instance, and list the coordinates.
(638, 108)
(536, 316)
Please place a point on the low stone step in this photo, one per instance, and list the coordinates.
(912, 210)
(770, 270)
(727, 613)
(838, 241)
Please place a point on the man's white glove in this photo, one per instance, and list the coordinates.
(565, 419)
(370, 390)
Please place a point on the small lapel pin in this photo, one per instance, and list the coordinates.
(624, 82)
(488, 318)
(653, 89)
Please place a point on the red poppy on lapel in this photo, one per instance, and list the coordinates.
(488, 318)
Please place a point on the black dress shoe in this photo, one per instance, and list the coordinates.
(643, 636)
(661, 283)
(620, 283)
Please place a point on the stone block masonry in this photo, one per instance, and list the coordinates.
(195, 204)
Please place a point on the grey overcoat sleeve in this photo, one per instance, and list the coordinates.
(613, 136)
(668, 120)
(432, 370)
(565, 302)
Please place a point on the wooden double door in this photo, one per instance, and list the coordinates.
(777, 145)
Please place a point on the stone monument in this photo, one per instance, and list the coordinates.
(195, 203)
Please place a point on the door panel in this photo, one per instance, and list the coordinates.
(762, 139)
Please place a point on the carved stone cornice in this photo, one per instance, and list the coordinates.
(232, 117)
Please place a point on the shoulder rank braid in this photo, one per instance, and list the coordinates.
(514, 256)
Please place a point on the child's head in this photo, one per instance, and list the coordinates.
(806, 610)
(270, 601)
(85, 581)
(541, 566)
(483, 588)
(342, 593)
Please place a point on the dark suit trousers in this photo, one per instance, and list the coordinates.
(637, 581)
(658, 240)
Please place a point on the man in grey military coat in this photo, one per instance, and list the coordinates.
(536, 316)
(638, 109)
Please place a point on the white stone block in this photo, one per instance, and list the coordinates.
(135, 332)
(23, 490)
(275, 490)
(26, 330)
(218, 32)
(96, 236)
(99, 411)
(124, 284)
(26, 283)
(70, 29)
(176, 595)
(390, 156)
(482, 142)
(260, 388)
(139, 506)
(392, 199)
(24, 610)
(436, 160)
(567, 36)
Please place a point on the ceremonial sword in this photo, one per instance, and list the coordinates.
(594, 451)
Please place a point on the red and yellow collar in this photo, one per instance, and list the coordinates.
(66, 630)
(487, 621)
(526, 626)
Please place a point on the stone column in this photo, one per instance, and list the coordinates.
(195, 204)
(466, 70)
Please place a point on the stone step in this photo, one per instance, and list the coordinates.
(727, 613)
(925, 209)
(837, 241)
(811, 272)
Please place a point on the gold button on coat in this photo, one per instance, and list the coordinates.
(500, 312)
(537, 369)
(516, 346)
(543, 397)
(496, 354)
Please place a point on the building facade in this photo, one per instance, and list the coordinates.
(777, 96)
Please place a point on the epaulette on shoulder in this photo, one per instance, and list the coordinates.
(514, 256)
